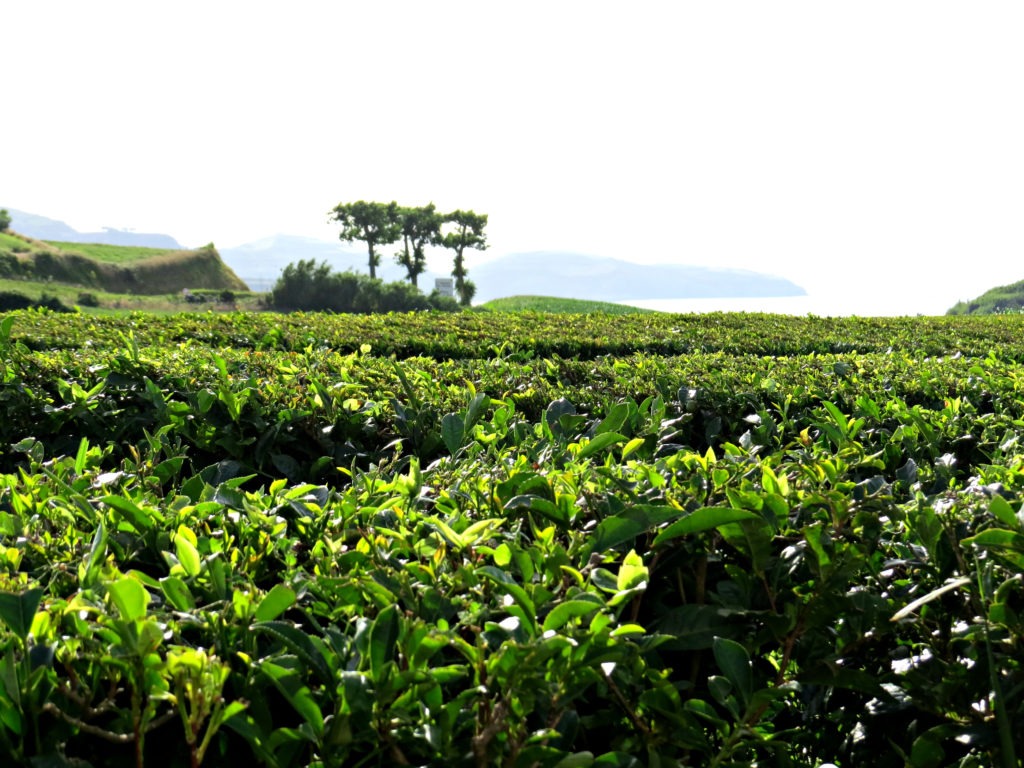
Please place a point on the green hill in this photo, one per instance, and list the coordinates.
(558, 305)
(115, 269)
(997, 301)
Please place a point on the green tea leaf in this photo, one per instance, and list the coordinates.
(1003, 512)
(632, 572)
(383, 640)
(130, 598)
(279, 599)
(600, 443)
(452, 432)
(733, 659)
(178, 594)
(142, 520)
(17, 609)
(89, 568)
(704, 519)
(571, 609)
(288, 682)
(188, 555)
(630, 523)
(913, 606)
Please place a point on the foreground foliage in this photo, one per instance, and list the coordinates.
(643, 540)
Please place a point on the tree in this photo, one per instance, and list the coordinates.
(5, 220)
(466, 231)
(420, 227)
(372, 223)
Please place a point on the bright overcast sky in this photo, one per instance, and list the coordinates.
(873, 147)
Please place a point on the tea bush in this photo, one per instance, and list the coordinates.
(234, 538)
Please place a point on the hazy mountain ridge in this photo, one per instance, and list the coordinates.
(574, 275)
(44, 228)
(547, 273)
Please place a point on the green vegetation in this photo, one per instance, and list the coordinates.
(379, 224)
(466, 230)
(111, 254)
(517, 539)
(558, 305)
(1002, 300)
(307, 286)
(5, 220)
(12, 243)
(107, 269)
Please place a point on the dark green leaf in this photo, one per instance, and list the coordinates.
(18, 609)
(704, 519)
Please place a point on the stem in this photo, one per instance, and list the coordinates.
(1007, 753)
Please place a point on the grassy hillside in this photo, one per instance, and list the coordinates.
(1001, 300)
(114, 269)
(558, 305)
(112, 254)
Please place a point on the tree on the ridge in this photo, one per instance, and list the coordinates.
(372, 223)
(467, 232)
(5, 220)
(420, 227)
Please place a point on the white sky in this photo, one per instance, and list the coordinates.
(868, 148)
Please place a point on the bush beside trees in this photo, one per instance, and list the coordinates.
(311, 287)
(381, 224)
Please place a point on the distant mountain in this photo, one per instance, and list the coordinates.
(577, 276)
(545, 273)
(43, 228)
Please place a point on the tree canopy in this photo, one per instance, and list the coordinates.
(465, 230)
(420, 227)
(372, 223)
(379, 224)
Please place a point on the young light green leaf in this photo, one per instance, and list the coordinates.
(632, 572)
(130, 598)
(279, 599)
(563, 613)
(187, 554)
(178, 594)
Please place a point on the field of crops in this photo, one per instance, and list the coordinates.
(511, 539)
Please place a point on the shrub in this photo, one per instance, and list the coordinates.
(11, 300)
(10, 266)
(54, 304)
(5, 220)
(442, 302)
(311, 287)
(86, 299)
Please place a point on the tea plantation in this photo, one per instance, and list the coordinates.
(511, 539)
